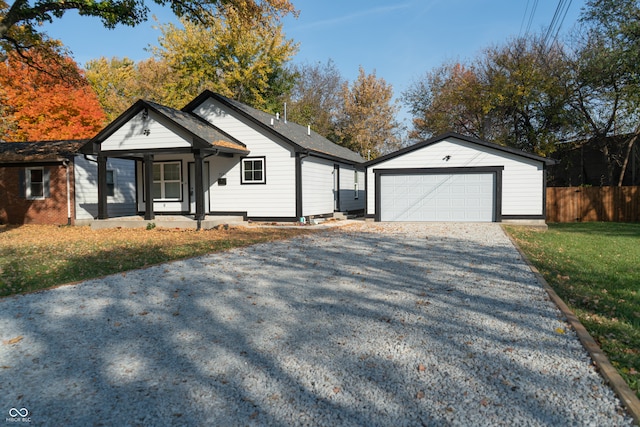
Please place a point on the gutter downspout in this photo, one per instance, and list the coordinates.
(66, 165)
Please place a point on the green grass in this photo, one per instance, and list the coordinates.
(37, 257)
(595, 269)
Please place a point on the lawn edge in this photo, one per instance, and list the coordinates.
(606, 369)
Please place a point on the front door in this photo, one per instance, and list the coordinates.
(192, 187)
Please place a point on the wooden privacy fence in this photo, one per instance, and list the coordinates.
(576, 204)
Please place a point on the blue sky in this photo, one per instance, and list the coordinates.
(399, 40)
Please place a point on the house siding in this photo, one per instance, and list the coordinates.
(141, 134)
(16, 209)
(317, 186)
(122, 203)
(274, 199)
(522, 178)
(350, 201)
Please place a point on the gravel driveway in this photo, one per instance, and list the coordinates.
(369, 324)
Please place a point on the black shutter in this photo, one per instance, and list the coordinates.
(22, 188)
(46, 183)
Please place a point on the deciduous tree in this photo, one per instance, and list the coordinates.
(607, 79)
(19, 21)
(316, 97)
(448, 98)
(38, 106)
(241, 60)
(515, 95)
(367, 123)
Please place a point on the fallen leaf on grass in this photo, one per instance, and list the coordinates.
(13, 340)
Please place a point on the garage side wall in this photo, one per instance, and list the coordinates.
(522, 178)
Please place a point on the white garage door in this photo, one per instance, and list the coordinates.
(437, 197)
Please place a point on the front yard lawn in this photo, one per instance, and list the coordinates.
(595, 269)
(34, 257)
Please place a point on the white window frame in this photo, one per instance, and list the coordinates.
(28, 183)
(164, 181)
(243, 169)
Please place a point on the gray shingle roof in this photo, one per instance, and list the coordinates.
(198, 127)
(293, 132)
(40, 151)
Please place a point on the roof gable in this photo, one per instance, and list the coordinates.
(299, 137)
(453, 135)
(203, 135)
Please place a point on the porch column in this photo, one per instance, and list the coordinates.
(199, 185)
(102, 187)
(148, 187)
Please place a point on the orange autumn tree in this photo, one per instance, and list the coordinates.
(37, 105)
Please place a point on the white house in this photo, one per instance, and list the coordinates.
(456, 178)
(217, 156)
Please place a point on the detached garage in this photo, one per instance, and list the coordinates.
(457, 178)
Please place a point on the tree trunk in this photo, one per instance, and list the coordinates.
(627, 156)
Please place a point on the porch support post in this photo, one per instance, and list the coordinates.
(199, 185)
(102, 187)
(148, 187)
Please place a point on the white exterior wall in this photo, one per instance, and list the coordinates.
(132, 135)
(350, 199)
(318, 189)
(522, 178)
(275, 198)
(122, 203)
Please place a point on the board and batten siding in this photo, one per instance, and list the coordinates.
(122, 203)
(522, 178)
(140, 133)
(277, 197)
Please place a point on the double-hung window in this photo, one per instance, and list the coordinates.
(35, 181)
(253, 170)
(167, 182)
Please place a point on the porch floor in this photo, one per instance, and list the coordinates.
(165, 221)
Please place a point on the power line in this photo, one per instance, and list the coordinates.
(533, 12)
(523, 18)
(556, 22)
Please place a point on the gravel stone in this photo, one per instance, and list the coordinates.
(367, 324)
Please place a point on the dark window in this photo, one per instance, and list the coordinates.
(35, 183)
(111, 183)
(253, 171)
